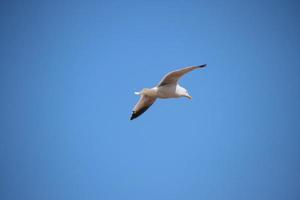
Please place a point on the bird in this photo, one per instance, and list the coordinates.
(168, 87)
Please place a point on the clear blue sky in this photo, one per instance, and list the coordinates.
(68, 71)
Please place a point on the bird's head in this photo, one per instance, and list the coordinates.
(186, 94)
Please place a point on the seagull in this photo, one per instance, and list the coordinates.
(168, 87)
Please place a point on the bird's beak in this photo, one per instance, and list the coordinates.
(188, 96)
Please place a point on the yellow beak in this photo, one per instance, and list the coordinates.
(188, 96)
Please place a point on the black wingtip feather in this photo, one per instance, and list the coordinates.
(132, 116)
(135, 114)
(201, 66)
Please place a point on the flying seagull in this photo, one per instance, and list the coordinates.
(168, 87)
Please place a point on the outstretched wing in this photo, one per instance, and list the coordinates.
(174, 76)
(142, 105)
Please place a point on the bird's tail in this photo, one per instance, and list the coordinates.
(137, 93)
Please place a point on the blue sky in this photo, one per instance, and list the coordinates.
(68, 73)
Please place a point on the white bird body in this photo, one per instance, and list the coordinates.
(165, 92)
(167, 88)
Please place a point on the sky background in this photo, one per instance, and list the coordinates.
(68, 71)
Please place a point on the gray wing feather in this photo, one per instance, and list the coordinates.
(174, 76)
(142, 105)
